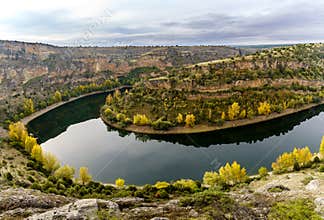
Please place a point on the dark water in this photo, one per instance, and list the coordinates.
(77, 136)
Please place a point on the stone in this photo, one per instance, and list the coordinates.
(319, 203)
(81, 209)
(128, 201)
(193, 213)
(313, 185)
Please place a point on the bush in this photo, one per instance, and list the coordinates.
(161, 125)
(212, 179)
(186, 184)
(140, 120)
(321, 168)
(297, 209)
(161, 185)
(8, 176)
(162, 194)
(263, 172)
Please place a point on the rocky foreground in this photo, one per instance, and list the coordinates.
(253, 201)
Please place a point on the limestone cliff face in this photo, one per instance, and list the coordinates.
(21, 62)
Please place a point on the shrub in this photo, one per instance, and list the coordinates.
(8, 176)
(299, 209)
(18, 133)
(321, 150)
(64, 172)
(140, 120)
(179, 118)
(162, 194)
(233, 174)
(212, 179)
(161, 185)
(321, 168)
(50, 162)
(161, 125)
(186, 184)
(37, 153)
(120, 182)
(263, 172)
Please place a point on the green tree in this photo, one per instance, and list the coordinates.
(64, 172)
(50, 162)
(84, 175)
(28, 106)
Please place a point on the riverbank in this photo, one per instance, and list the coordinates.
(202, 128)
(39, 113)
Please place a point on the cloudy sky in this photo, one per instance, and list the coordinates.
(163, 22)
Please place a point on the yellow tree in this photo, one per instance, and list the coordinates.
(117, 94)
(29, 143)
(18, 132)
(84, 175)
(28, 106)
(212, 178)
(233, 174)
(109, 99)
(302, 156)
(57, 97)
(50, 162)
(223, 117)
(120, 182)
(37, 153)
(179, 118)
(283, 163)
(233, 111)
(190, 120)
(264, 108)
(321, 150)
(64, 172)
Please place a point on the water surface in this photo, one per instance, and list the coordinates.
(77, 136)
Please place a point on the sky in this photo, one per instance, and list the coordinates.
(167, 22)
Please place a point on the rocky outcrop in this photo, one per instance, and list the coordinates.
(81, 209)
(22, 202)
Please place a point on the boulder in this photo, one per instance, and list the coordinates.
(313, 185)
(81, 209)
(319, 202)
(128, 201)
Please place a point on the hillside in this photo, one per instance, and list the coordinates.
(222, 93)
(34, 70)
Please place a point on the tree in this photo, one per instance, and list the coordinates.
(37, 153)
(243, 114)
(18, 132)
(233, 174)
(264, 108)
(109, 99)
(179, 118)
(321, 150)
(302, 156)
(140, 120)
(28, 106)
(50, 162)
(29, 143)
(233, 111)
(117, 94)
(212, 178)
(57, 97)
(120, 182)
(84, 175)
(283, 163)
(64, 172)
(190, 120)
(223, 117)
